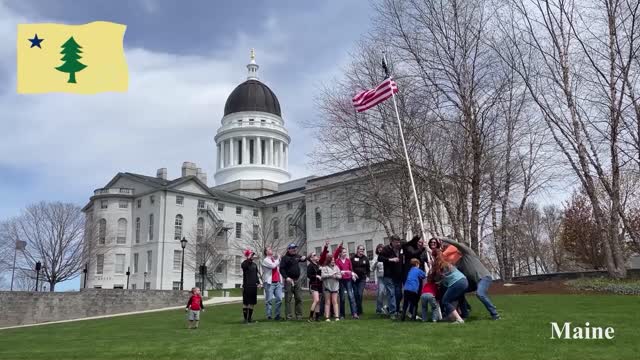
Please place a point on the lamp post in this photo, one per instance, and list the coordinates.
(128, 273)
(38, 267)
(85, 271)
(145, 280)
(183, 244)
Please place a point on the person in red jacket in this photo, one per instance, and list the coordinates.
(346, 283)
(428, 297)
(194, 306)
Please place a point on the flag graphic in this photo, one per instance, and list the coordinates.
(370, 98)
(21, 245)
(81, 59)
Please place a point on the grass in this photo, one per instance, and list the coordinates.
(218, 293)
(607, 285)
(523, 333)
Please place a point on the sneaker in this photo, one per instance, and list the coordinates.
(497, 317)
(458, 322)
(337, 319)
(328, 320)
(393, 317)
(277, 318)
(269, 318)
(356, 317)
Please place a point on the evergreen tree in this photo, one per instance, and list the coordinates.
(71, 51)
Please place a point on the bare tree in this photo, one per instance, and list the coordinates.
(552, 222)
(54, 234)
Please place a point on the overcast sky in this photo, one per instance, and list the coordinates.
(184, 59)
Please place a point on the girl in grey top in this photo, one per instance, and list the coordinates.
(331, 276)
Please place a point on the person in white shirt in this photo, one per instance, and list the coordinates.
(377, 268)
(272, 281)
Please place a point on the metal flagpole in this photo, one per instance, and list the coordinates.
(13, 271)
(406, 155)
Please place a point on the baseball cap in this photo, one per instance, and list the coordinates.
(248, 253)
(292, 246)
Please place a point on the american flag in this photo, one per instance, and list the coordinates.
(367, 99)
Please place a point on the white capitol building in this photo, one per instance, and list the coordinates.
(139, 220)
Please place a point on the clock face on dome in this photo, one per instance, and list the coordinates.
(252, 95)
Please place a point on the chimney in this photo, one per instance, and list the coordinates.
(189, 169)
(201, 175)
(162, 173)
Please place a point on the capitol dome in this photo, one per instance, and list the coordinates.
(252, 95)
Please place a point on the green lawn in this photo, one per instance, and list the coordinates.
(523, 333)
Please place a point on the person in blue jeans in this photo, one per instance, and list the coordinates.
(361, 267)
(412, 287)
(477, 274)
(456, 284)
(392, 258)
(272, 283)
(378, 268)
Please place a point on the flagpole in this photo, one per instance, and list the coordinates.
(406, 155)
(13, 270)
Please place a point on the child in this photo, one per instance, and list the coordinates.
(331, 276)
(412, 286)
(194, 306)
(428, 297)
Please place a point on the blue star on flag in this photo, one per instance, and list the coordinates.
(35, 41)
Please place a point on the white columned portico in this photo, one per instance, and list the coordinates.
(258, 146)
(281, 155)
(231, 162)
(270, 160)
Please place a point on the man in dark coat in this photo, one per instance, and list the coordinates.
(290, 270)
(392, 258)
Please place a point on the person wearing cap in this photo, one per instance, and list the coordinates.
(272, 283)
(392, 258)
(250, 284)
(479, 277)
(290, 271)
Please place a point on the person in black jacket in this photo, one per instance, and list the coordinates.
(413, 249)
(361, 266)
(250, 284)
(315, 286)
(392, 258)
(290, 271)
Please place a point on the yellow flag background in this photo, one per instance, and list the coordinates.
(102, 46)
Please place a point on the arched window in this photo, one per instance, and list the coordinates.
(122, 231)
(318, 218)
(200, 230)
(333, 216)
(137, 230)
(276, 229)
(102, 231)
(150, 227)
(290, 228)
(178, 227)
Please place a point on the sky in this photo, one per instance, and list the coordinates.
(184, 59)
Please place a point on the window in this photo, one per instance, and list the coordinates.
(333, 248)
(290, 228)
(276, 229)
(256, 213)
(136, 257)
(104, 204)
(150, 227)
(318, 250)
(256, 232)
(180, 200)
(351, 248)
(102, 231)
(332, 195)
(118, 286)
(147, 285)
(238, 264)
(275, 209)
(178, 228)
(333, 216)
(123, 204)
(152, 199)
(177, 259)
(238, 230)
(139, 202)
(133, 286)
(318, 219)
(200, 230)
(220, 206)
(367, 211)
(97, 286)
(350, 218)
(316, 197)
(176, 285)
(238, 210)
(100, 264)
(119, 263)
(201, 204)
(149, 260)
(251, 120)
(137, 230)
(122, 231)
(368, 247)
(289, 206)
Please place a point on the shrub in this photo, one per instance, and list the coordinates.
(622, 287)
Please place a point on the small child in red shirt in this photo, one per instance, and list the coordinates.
(194, 306)
(428, 297)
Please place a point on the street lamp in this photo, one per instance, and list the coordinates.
(85, 271)
(38, 267)
(128, 273)
(145, 280)
(183, 244)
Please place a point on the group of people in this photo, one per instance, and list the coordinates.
(437, 275)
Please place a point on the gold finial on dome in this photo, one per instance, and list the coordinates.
(253, 54)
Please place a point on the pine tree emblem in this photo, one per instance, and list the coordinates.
(71, 51)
